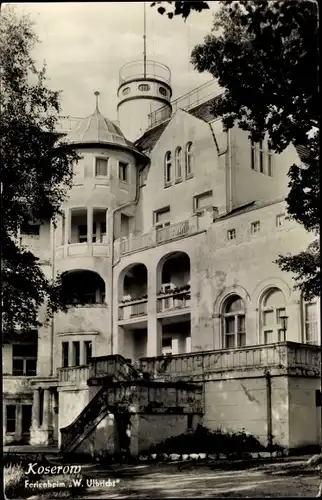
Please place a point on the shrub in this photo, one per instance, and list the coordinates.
(202, 440)
(14, 478)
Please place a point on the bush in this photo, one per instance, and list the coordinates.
(202, 440)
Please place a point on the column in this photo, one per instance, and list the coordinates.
(70, 354)
(175, 346)
(106, 222)
(154, 341)
(46, 409)
(67, 229)
(18, 420)
(35, 409)
(90, 225)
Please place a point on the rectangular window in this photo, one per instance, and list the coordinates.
(261, 157)
(310, 323)
(24, 359)
(268, 337)
(26, 418)
(280, 220)
(280, 312)
(123, 171)
(162, 217)
(101, 167)
(30, 229)
(76, 353)
(10, 418)
(203, 201)
(231, 234)
(65, 360)
(253, 155)
(87, 351)
(268, 318)
(255, 227)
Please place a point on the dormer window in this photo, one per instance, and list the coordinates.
(101, 167)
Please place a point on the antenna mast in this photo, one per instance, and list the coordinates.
(144, 41)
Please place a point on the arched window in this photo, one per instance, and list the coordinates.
(234, 323)
(272, 309)
(178, 158)
(168, 168)
(189, 159)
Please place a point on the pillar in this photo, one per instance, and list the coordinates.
(90, 225)
(154, 337)
(81, 353)
(46, 409)
(68, 224)
(35, 408)
(134, 429)
(106, 222)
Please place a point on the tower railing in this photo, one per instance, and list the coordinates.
(152, 69)
(187, 101)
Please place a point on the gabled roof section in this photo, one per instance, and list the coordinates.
(151, 136)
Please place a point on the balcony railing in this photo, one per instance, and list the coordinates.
(83, 250)
(133, 309)
(287, 355)
(113, 366)
(174, 301)
(188, 101)
(158, 236)
(73, 374)
(173, 231)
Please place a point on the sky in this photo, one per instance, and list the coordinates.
(85, 45)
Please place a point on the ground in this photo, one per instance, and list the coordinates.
(185, 480)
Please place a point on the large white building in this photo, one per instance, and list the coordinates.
(167, 249)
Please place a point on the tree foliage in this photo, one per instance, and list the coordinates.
(35, 172)
(265, 57)
(183, 8)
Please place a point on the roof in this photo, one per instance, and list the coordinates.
(150, 137)
(96, 129)
(248, 207)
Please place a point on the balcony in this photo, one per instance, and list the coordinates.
(73, 375)
(286, 357)
(160, 236)
(174, 301)
(133, 309)
(83, 250)
(136, 70)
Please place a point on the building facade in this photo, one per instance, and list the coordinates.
(167, 248)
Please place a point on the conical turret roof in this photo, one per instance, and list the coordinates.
(96, 129)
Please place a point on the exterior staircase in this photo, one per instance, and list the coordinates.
(127, 389)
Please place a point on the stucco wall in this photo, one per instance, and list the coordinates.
(71, 403)
(156, 428)
(101, 439)
(304, 416)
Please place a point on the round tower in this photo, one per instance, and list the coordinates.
(144, 87)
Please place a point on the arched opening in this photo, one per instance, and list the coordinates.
(234, 322)
(135, 283)
(174, 298)
(272, 309)
(82, 287)
(132, 311)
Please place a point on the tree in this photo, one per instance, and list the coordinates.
(265, 57)
(35, 172)
(183, 8)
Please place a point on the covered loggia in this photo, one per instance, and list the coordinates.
(173, 302)
(83, 287)
(132, 310)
